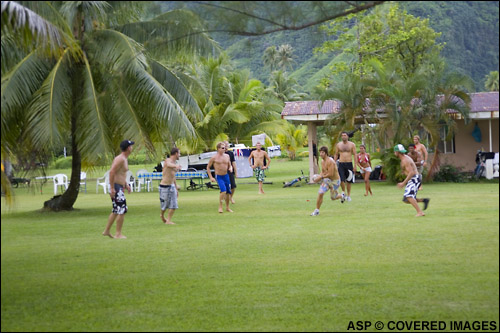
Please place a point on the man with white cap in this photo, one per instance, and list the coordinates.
(412, 181)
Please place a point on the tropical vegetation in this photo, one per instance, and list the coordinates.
(80, 74)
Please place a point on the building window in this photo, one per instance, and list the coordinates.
(446, 145)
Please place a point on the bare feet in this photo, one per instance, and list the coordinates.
(107, 234)
(262, 192)
(229, 210)
(120, 237)
(420, 214)
(163, 218)
(169, 222)
(366, 194)
(232, 201)
(220, 210)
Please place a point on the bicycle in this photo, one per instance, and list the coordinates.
(296, 181)
(194, 186)
(480, 170)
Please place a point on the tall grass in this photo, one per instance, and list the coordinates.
(268, 266)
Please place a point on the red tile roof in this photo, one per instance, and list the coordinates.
(483, 101)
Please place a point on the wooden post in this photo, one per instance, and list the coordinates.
(311, 136)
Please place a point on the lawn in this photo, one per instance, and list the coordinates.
(268, 266)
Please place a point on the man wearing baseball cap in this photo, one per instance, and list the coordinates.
(117, 182)
(412, 181)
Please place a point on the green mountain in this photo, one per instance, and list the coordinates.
(469, 28)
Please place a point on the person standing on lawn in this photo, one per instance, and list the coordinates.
(258, 165)
(168, 186)
(222, 166)
(117, 182)
(346, 150)
(234, 174)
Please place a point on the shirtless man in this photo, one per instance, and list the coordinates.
(222, 166)
(168, 186)
(258, 164)
(422, 150)
(232, 175)
(419, 147)
(416, 157)
(412, 180)
(346, 150)
(117, 181)
(329, 177)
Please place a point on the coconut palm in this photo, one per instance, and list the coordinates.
(234, 106)
(292, 138)
(491, 83)
(352, 92)
(83, 77)
(285, 57)
(270, 58)
(284, 87)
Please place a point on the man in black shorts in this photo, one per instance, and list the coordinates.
(234, 174)
(346, 150)
(117, 182)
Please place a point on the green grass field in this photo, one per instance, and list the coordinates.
(269, 266)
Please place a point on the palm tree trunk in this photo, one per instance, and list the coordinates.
(68, 198)
(435, 165)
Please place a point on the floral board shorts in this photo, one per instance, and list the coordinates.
(259, 174)
(329, 184)
(119, 202)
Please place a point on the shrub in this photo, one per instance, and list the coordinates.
(450, 173)
(63, 163)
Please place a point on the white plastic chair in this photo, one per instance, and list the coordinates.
(130, 180)
(143, 182)
(104, 182)
(60, 180)
(83, 180)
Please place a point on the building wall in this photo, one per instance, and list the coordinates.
(466, 147)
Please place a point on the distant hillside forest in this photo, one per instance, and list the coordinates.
(469, 29)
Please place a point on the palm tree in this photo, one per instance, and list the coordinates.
(285, 57)
(421, 102)
(270, 58)
(83, 77)
(234, 106)
(353, 93)
(491, 83)
(292, 138)
(284, 87)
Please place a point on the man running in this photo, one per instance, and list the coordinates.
(329, 177)
(412, 180)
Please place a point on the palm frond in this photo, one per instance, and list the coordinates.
(117, 52)
(172, 32)
(177, 89)
(148, 93)
(33, 28)
(48, 114)
(93, 135)
(21, 82)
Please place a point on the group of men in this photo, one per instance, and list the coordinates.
(335, 173)
(225, 170)
(340, 172)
